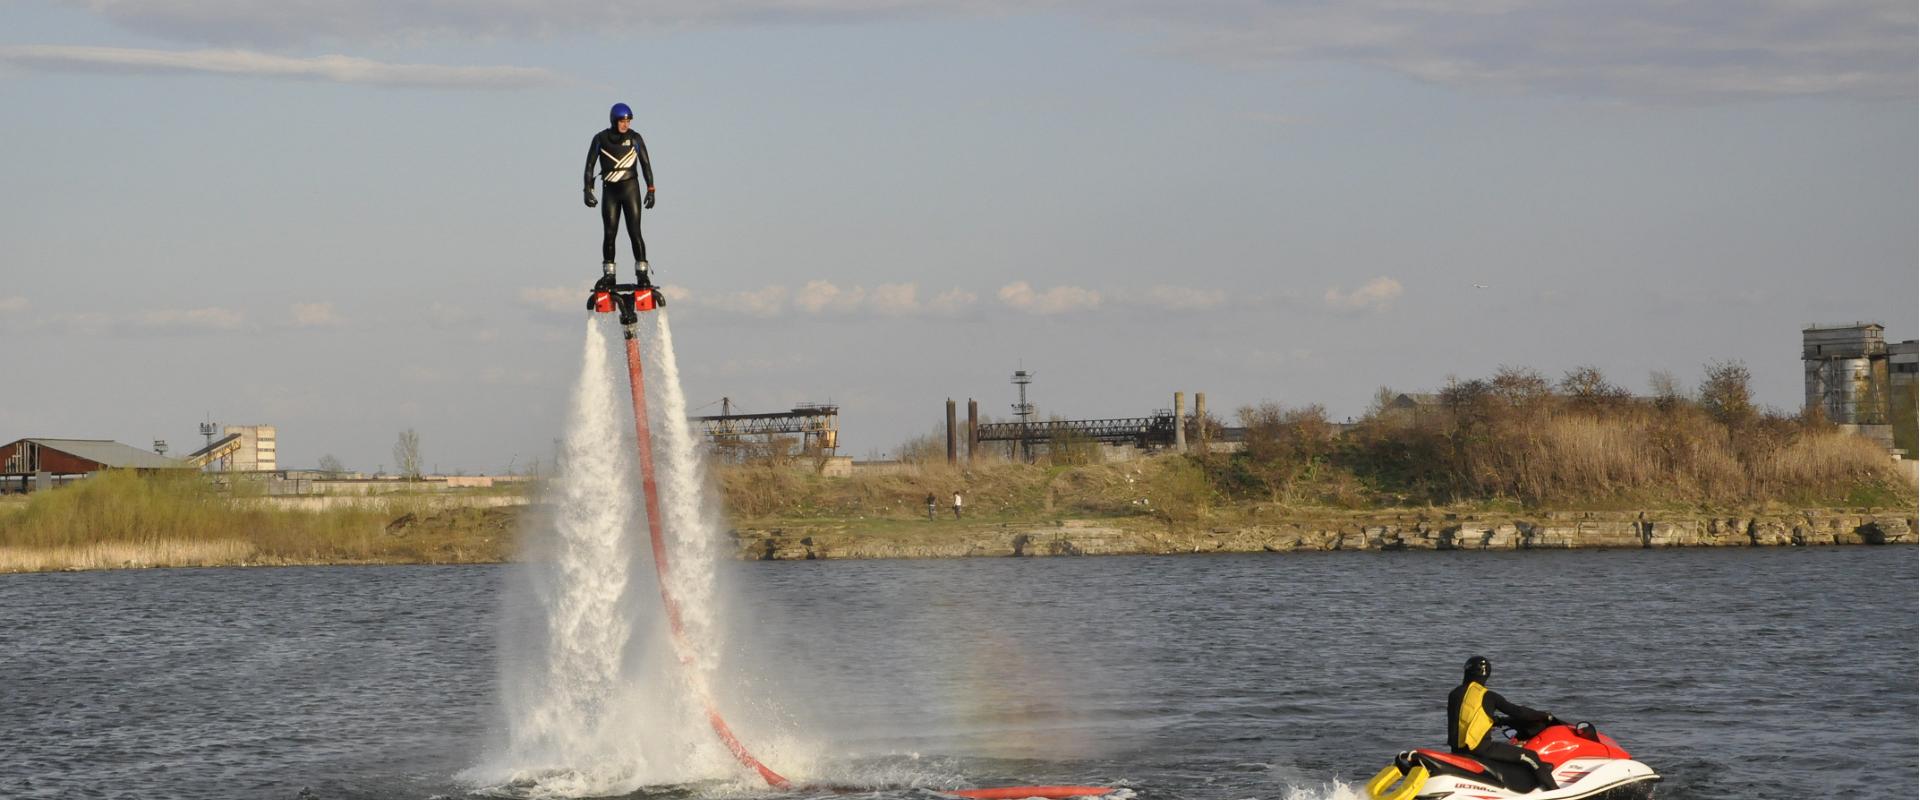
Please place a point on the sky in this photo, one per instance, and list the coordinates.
(351, 218)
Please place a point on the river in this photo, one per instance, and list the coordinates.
(1776, 673)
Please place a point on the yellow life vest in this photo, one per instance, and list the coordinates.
(1472, 721)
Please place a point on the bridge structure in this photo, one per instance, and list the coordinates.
(1153, 431)
(743, 435)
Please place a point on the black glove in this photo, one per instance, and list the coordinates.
(590, 201)
(648, 202)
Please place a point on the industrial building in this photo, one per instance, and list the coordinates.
(258, 449)
(1855, 380)
(1851, 380)
(38, 464)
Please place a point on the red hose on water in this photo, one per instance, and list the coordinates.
(644, 436)
(660, 565)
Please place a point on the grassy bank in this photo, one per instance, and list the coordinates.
(1514, 441)
(121, 519)
(1493, 450)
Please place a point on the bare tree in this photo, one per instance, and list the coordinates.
(331, 465)
(1588, 387)
(406, 454)
(1666, 389)
(1520, 386)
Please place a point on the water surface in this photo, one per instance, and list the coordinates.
(1769, 673)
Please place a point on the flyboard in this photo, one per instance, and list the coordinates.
(628, 300)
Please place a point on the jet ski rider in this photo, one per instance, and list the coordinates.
(1473, 711)
(615, 151)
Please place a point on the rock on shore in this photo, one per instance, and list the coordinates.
(1378, 532)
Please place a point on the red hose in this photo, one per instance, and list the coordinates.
(644, 435)
(645, 438)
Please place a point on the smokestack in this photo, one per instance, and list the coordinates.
(1200, 421)
(953, 436)
(1180, 421)
(973, 429)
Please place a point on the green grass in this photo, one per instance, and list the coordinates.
(166, 519)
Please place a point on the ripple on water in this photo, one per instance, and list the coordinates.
(1754, 674)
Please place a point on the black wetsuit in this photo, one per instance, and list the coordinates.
(615, 154)
(1489, 748)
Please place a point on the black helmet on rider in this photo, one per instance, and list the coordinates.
(1478, 669)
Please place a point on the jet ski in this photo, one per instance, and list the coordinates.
(1588, 765)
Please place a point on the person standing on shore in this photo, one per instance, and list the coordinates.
(931, 505)
(956, 505)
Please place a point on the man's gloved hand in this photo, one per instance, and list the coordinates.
(648, 202)
(590, 201)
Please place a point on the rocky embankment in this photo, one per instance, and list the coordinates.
(1359, 531)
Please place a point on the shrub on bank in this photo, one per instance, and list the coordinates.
(1585, 442)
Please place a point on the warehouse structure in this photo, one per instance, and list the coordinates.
(37, 464)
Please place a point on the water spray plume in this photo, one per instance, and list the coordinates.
(591, 678)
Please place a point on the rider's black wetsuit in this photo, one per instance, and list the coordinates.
(1501, 712)
(616, 154)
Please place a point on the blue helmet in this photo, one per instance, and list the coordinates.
(619, 111)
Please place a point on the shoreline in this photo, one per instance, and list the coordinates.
(488, 536)
(1340, 531)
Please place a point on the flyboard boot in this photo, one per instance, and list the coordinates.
(628, 299)
(600, 298)
(643, 281)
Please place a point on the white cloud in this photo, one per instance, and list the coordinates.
(1374, 295)
(197, 319)
(243, 21)
(557, 299)
(1172, 298)
(823, 298)
(952, 301)
(767, 302)
(887, 299)
(1645, 49)
(820, 296)
(328, 68)
(894, 299)
(1656, 49)
(161, 321)
(12, 305)
(1057, 300)
(315, 315)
